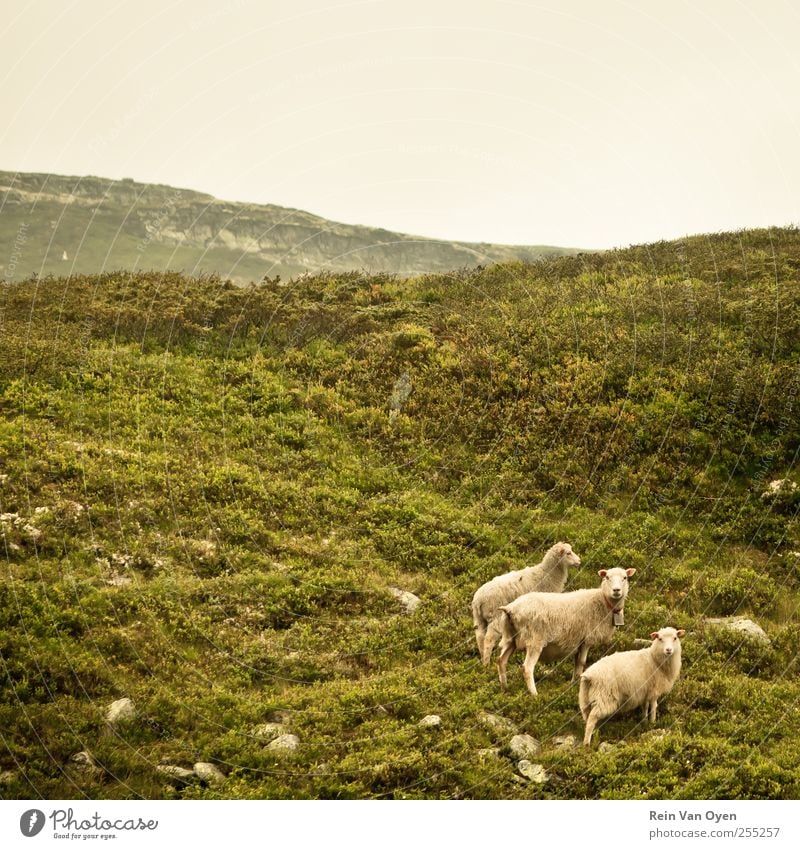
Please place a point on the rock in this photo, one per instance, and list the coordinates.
(209, 773)
(493, 722)
(533, 772)
(408, 601)
(639, 643)
(430, 721)
(784, 486)
(122, 710)
(118, 581)
(742, 625)
(284, 743)
(654, 734)
(84, 763)
(269, 730)
(177, 773)
(524, 746)
(6, 776)
(605, 747)
(567, 741)
(489, 754)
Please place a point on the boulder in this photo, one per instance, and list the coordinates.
(209, 773)
(122, 710)
(523, 746)
(494, 722)
(284, 743)
(535, 773)
(430, 721)
(408, 601)
(742, 625)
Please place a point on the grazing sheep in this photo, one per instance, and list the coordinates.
(549, 576)
(550, 626)
(630, 679)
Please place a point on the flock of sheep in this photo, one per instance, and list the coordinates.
(528, 610)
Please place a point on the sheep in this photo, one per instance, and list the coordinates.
(550, 626)
(630, 679)
(549, 576)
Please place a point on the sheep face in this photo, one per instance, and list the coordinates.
(667, 641)
(615, 583)
(567, 555)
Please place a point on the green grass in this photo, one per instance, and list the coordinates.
(233, 454)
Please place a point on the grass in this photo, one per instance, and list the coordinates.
(209, 490)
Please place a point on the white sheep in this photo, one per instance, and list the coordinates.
(549, 576)
(630, 679)
(550, 626)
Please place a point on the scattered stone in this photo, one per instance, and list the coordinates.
(269, 730)
(408, 601)
(533, 772)
(784, 486)
(567, 741)
(119, 581)
(605, 747)
(430, 721)
(742, 625)
(489, 754)
(493, 722)
(84, 763)
(209, 773)
(654, 734)
(284, 743)
(177, 773)
(6, 776)
(640, 643)
(122, 710)
(523, 746)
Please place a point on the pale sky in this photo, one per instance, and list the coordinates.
(589, 124)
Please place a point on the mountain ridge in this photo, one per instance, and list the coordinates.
(102, 224)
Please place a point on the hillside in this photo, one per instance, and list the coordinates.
(105, 225)
(209, 493)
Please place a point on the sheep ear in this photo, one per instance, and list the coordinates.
(602, 573)
(630, 572)
(654, 635)
(561, 549)
(681, 632)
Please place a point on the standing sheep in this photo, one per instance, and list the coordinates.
(630, 679)
(550, 626)
(549, 576)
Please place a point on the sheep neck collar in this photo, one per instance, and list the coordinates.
(611, 606)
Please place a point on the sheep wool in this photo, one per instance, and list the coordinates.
(630, 679)
(549, 576)
(550, 626)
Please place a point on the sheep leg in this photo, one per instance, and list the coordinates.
(531, 656)
(502, 664)
(591, 724)
(480, 635)
(580, 661)
(492, 634)
(653, 709)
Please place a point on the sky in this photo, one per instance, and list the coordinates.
(585, 124)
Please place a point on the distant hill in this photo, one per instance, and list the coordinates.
(59, 225)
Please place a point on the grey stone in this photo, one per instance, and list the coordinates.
(268, 730)
(524, 746)
(122, 710)
(742, 625)
(535, 773)
(493, 722)
(284, 743)
(567, 741)
(209, 773)
(408, 601)
(430, 721)
(177, 773)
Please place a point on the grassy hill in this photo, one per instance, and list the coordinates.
(102, 225)
(210, 491)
